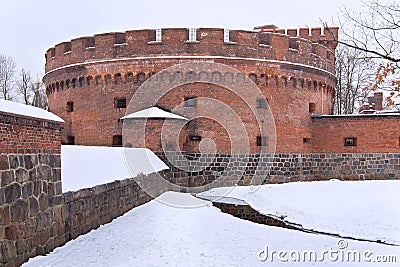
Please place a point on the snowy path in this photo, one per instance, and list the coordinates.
(360, 209)
(156, 234)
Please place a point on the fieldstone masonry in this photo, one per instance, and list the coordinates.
(278, 168)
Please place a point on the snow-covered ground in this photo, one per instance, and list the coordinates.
(88, 166)
(156, 234)
(25, 110)
(361, 209)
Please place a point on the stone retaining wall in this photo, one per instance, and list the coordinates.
(279, 168)
(246, 212)
(30, 228)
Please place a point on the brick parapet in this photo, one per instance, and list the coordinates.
(210, 41)
(23, 134)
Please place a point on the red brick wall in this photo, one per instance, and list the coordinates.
(289, 79)
(22, 134)
(378, 134)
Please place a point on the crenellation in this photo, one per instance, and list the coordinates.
(292, 32)
(174, 41)
(104, 43)
(78, 47)
(211, 35)
(316, 32)
(280, 31)
(305, 32)
(175, 36)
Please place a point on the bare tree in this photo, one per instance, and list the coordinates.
(25, 87)
(39, 96)
(7, 72)
(354, 74)
(375, 31)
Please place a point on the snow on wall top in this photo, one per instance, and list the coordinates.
(25, 110)
(86, 167)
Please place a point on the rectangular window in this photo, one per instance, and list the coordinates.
(312, 107)
(195, 138)
(152, 35)
(67, 47)
(314, 48)
(229, 36)
(70, 140)
(192, 35)
(261, 103)
(261, 140)
(306, 140)
(117, 140)
(264, 38)
(70, 106)
(226, 36)
(52, 52)
(350, 141)
(90, 42)
(120, 38)
(190, 101)
(158, 35)
(293, 44)
(120, 102)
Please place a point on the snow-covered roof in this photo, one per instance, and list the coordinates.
(155, 113)
(25, 110)
(88, 166)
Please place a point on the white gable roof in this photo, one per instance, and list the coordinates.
(155, 113)
(25, 110)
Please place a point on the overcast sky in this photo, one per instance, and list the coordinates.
(28, 28)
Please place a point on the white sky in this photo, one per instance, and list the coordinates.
(28, 28)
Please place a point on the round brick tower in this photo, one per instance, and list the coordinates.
(91, 80)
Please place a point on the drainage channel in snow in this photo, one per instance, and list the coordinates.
(240, 209)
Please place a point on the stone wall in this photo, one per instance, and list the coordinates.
(31, 228)
(30, 175)
(246, 212)
(191, 169)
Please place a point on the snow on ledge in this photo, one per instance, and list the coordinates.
(88, 166)
(29, 111)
